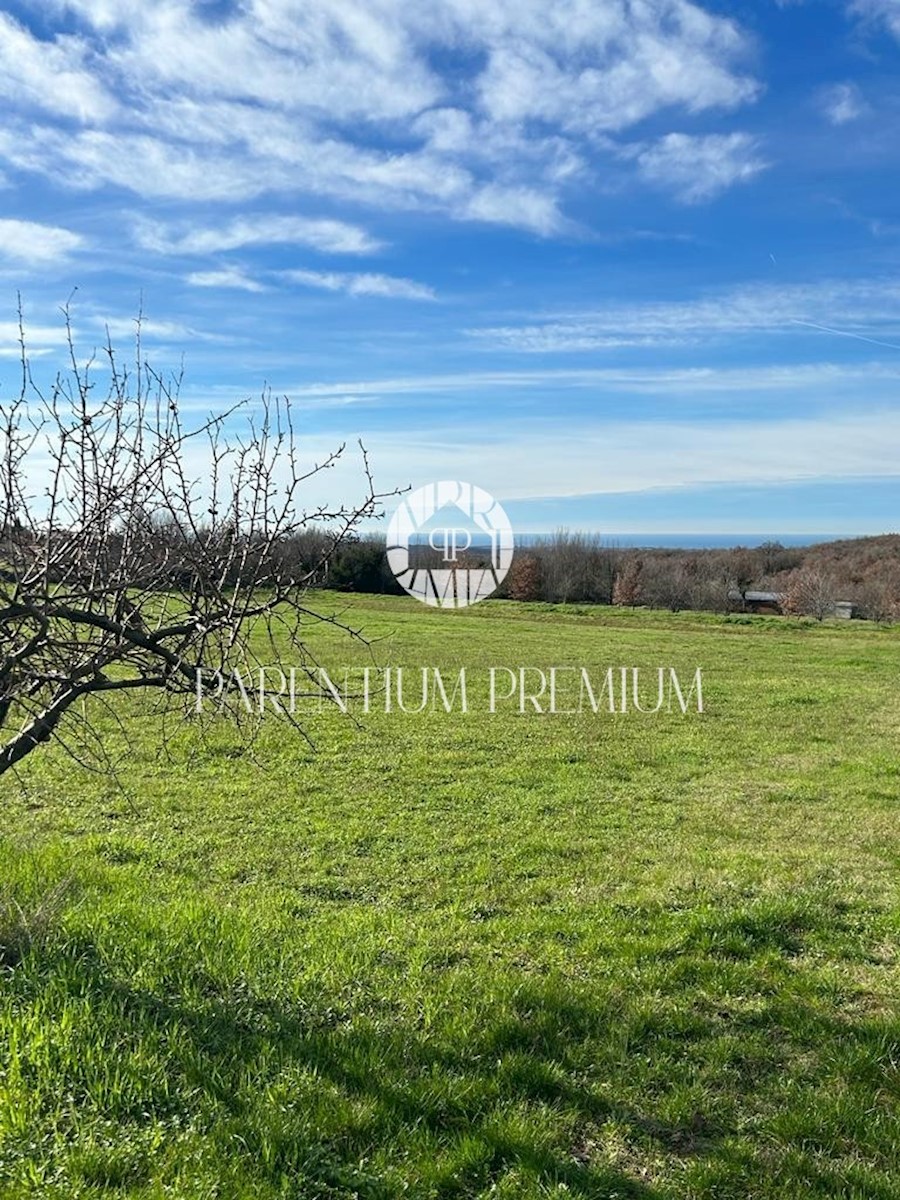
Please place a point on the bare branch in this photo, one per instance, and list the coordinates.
(137, 552)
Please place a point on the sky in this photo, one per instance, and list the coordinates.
(627, 266)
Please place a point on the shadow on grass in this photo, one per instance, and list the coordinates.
(333, 1105)
(314, 1100)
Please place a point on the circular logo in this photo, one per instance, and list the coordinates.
(450, 544)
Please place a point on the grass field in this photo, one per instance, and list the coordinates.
(473, 955)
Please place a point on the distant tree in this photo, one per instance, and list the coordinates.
(878, 597)
(523, 581)
(811, 593)
(577, 566)
(668, 582)
(563, 567)
(772, 558)
(360, 565)
(743, 570)
(306, 553)
(604, 561)
(627, 589)
(717, 584)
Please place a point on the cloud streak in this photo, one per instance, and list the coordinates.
(361, 284)
(851, 308)
(785, 383)
(326, 235)
(227, 279)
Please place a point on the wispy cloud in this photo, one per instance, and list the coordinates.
(30, 242)
(123, 328)
(228, 278)
(58, 76)
(40, 339)
(361, 284)
(842, 103)
(699, 167)
(815, 377)
(856, 308)
(880, 11)
(524, 207)
(331, 236)
(646, 58)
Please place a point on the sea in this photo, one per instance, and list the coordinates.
(664, 540)
(696, 541)
(669, 541)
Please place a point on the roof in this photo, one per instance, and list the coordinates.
(756, 597)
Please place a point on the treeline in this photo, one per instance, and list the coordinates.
(810, 581)
(571, 567)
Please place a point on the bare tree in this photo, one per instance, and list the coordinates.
(743, 570)
(627, 588)
(138, 553)
(878, 598)
(773, 557)
(577, 567)
(562, 566)
(811, 593)
(670, 581)
(524, 579)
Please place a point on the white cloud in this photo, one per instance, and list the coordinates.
(239, 170)
(637, 59)
(149, 166)
(328, 236)
(522, 207)
(30, 242)
(55, 76)
(38, 338)
(338, 60)
(699, 167)
(601, 66)
(105, 15)
(362, 284)
(484, 111)
(842, 103)
(227, 278)
(886, 11)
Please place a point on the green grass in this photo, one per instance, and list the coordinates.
(455, 955)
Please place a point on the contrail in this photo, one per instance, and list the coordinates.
(846, 333)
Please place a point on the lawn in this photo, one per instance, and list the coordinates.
(507, 955)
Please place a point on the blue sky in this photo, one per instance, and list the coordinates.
(628, 266)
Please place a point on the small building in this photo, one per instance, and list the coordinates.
(769, 603)
(772, 604)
